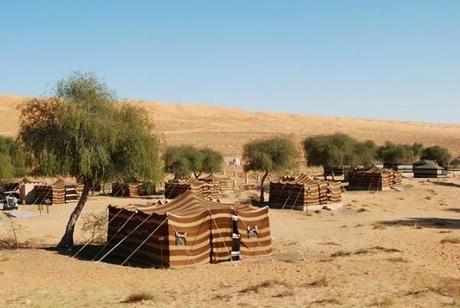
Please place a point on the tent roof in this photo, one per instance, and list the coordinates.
(189, 204)
(427, 164)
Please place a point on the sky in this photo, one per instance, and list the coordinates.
(374, 59)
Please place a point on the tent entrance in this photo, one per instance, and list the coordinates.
(236, 239)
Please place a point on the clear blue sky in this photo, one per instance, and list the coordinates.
(379, 59)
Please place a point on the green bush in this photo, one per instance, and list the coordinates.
(438, 154)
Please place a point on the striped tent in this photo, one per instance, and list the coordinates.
(188, 230)
(373, 179)
(202, 188)
(303, 191)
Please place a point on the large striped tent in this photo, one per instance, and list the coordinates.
(296, 193)
(186, 231)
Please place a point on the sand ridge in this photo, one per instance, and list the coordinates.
(228, 129)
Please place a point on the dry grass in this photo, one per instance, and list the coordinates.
(263, 285)
(397, 260)
(137, 297)
(331, 301)
(363, 251)
(450, 240)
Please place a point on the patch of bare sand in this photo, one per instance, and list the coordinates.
(392, 253)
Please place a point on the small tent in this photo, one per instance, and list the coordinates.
(428, 169)
(375, 179)
(296, 193)
(59, 192)
(206, 188)
(186, 231)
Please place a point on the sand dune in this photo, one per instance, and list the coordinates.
(227, 129)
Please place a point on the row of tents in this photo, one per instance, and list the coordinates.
(193, 230)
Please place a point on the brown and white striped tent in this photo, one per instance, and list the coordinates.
(202, 188)
(375, 179)
(186, 231)
(296, 193)
(59, 192)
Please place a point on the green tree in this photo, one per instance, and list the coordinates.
(455, 162)
(272, 155)
(185, 160)
(439, 154)
(14, 162)
(83, 132)
(391, 153)
(338, 150)
(212, 161)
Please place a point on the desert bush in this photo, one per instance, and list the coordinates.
(438, 154)
(147, 189)
(12, 238)
(95, 227)
(137, 297)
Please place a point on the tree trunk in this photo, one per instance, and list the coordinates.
(262, 199)
(325, 173)
(67, 239)
(197, 175)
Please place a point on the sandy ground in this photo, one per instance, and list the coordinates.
(227, 130)
(393, 248)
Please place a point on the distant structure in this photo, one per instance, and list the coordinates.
(428, 169)
(234, 162)
(373, 179)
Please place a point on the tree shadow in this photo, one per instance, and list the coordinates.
(94, 252)
(450, 184)
(424, 222)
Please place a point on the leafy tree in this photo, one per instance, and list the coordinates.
(272, 155)
(456, 161)
(14, 162)
(417, 149)
(439, 154)
(83, 132)
(338, 150)
(184, 160)
(391, 153)
(212, 162)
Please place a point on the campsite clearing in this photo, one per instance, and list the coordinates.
(379, 249)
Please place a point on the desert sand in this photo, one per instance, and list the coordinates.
(227, 130)
(396, 248)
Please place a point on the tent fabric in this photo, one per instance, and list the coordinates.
(59, 192)
(126, 189)
(375, 179)
(204, 188)
(194, 231)
(302, 191)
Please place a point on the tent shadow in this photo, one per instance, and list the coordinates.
(424, 222)
(92, 253)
